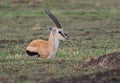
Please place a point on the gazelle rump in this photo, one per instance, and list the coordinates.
(48, 49)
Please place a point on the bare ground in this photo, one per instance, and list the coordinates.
(111, 75)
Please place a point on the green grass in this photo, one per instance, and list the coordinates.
(96, 13)
(40, 70)
(93, 28)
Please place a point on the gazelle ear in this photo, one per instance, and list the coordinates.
(50, 28)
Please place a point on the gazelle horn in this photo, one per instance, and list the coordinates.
(55, 20)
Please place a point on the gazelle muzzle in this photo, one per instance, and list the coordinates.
(64, 35)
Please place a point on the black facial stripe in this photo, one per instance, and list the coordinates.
(62, 34)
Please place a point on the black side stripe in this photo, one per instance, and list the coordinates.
(32, 53)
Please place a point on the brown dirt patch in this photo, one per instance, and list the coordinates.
(110, 76)
(111, 60)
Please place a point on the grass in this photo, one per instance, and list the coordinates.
(35, 70)
(93, 27)
(96, 13)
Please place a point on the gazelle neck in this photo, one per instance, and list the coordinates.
(53, 41)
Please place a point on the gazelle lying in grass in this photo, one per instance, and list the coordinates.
(48, 49)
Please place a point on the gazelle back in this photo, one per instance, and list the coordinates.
(48, 49)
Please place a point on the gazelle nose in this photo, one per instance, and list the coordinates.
(66, 36)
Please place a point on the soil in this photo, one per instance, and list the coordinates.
(111, 75)
(111, 61)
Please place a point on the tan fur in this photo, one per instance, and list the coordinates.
(42, 47)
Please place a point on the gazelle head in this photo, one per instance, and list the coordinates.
(57, 31)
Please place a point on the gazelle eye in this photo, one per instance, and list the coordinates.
(59, 32)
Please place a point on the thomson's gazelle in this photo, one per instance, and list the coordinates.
(48, 49)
